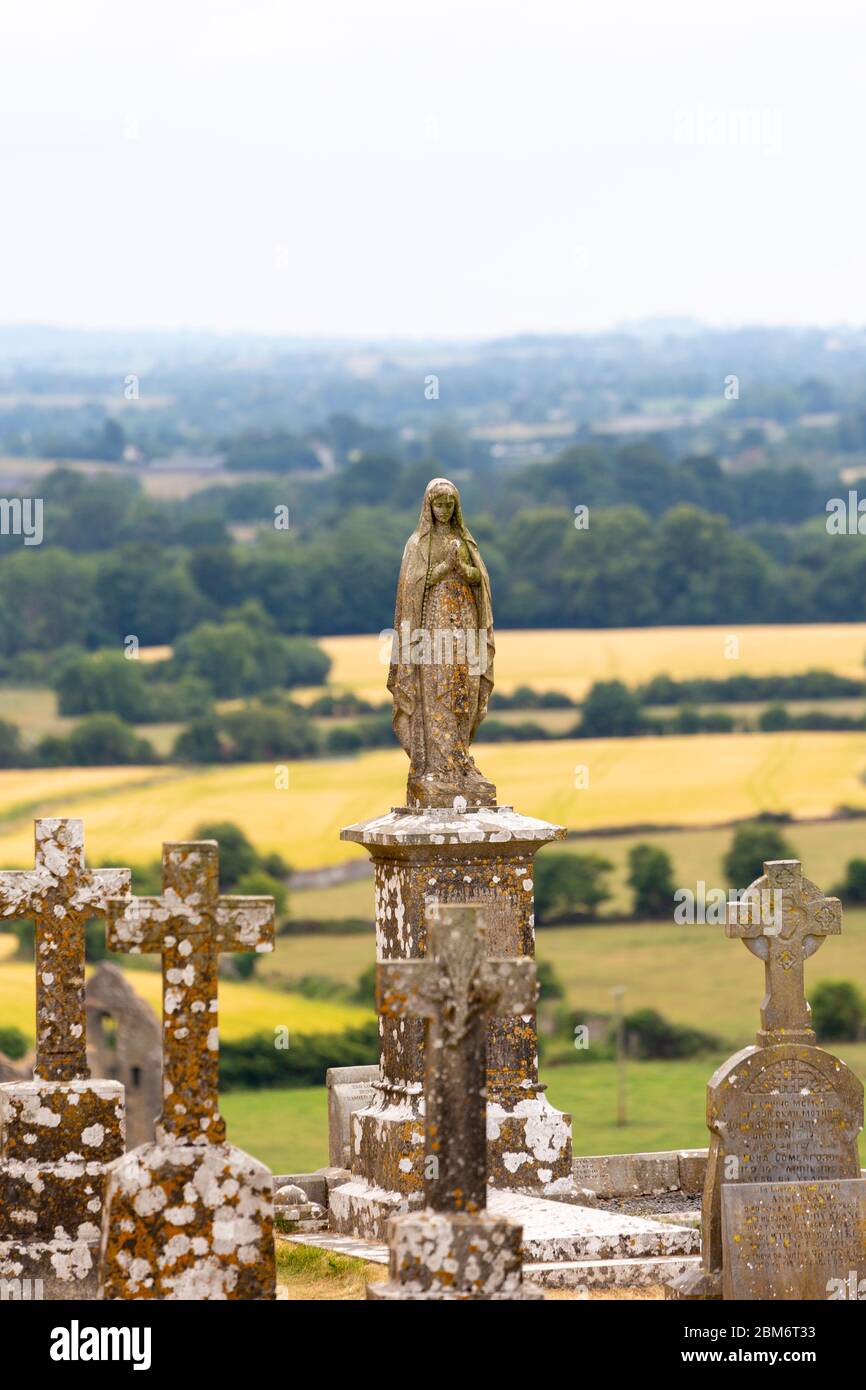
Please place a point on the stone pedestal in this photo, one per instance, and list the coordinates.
(436, 1257)
(56, 1138)
(480, 856)
(188, 1221)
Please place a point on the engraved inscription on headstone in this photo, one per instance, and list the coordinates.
(786, 1113)
(795, 1240)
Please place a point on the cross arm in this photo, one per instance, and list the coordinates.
(245, 923)
(824, 917)
(510, 986)
(22, 891)
(136, 925)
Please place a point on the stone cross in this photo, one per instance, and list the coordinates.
(60, 895)
(190, 924)
(784, 918)
(455, 989)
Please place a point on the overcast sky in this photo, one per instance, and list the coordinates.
(457, 168)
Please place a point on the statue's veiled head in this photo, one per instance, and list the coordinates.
(441, 503)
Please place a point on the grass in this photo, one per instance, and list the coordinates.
(692, 974)
(306, 1273)
(571, 659)
(665, 1107)
(693, 781)
(287, 1130)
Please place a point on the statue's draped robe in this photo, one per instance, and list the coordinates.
(440, 701)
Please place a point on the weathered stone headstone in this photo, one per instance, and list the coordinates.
(454, 1249)
(58, 1131)
(131, 1052)
(784, 1110)
(189, 1216)
(349, 1089)
(795, 1240)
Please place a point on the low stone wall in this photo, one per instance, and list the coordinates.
(643, 1175)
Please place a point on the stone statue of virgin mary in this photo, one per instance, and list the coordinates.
(441, 671)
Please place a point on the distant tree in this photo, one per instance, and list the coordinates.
(270, 451)
(242, 658)
(98, 741)
(753, 844)
(651, 879)
(12, 754)
(102, 683)
(853, 887)
(112, 441)
(238, 856)
(838, 1011)
(569, 885)
(774, 718)
(651, 1035)
(13, 1043)
(367, 480)
(610, 710)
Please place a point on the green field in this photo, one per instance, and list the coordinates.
(666, 1102)
(691, 974)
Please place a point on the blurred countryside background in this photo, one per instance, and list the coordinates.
(265, 272)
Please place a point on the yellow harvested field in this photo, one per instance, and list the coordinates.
(698, 780)
(570, 660)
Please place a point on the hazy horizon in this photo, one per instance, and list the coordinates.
(386, 172)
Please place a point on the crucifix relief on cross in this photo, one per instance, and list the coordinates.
(190, 924)
(60, 895)
(455, 989)
(783, 917)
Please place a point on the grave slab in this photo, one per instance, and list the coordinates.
(795, 1240)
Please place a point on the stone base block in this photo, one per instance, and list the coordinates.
(188, 1221)
(529, 1148)
(583, 1275)
(52, 1199)
(697, 1285)
(453, 1257)
(388, 1144)
(50, 1269)
(357, 1208)
(52, 1121)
